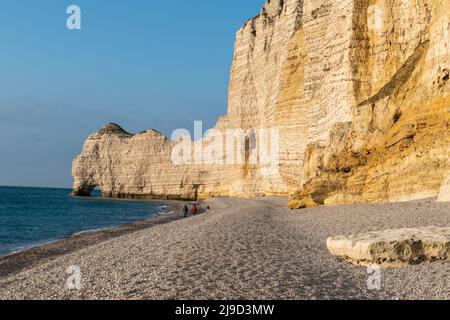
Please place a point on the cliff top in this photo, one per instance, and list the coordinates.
(113, 128)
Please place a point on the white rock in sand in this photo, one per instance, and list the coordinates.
(393, 248)
(444, 195)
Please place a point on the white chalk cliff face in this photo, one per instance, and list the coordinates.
(359, 92)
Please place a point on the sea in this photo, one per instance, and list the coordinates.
(34, 216)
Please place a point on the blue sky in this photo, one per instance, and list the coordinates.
(143, 64)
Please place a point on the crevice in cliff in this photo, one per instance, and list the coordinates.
(401, 76)
(321, 11)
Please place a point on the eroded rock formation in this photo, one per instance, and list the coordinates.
(359, 92)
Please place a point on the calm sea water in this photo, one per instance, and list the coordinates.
(33, 216)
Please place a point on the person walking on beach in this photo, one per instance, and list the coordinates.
(194, 210)
(185, 211)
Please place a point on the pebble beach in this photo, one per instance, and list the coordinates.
(239, 249)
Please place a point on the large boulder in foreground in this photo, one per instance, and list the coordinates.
(393, 248)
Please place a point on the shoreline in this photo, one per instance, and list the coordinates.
(240, 249)
(32, 255)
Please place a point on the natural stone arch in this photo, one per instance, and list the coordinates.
(85, 190)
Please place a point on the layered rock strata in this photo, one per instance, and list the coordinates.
(397, 144)
(393, 248)
(355, 96)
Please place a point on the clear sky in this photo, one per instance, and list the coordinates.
(143, 64)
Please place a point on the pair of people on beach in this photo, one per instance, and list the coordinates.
(186, 210)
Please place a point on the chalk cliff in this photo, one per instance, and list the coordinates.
(351, 98)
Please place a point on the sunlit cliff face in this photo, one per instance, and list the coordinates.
(357, 90)
(396, 146)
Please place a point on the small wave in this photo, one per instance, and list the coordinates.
(79, 233)
(166, 213)
(28, 247)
